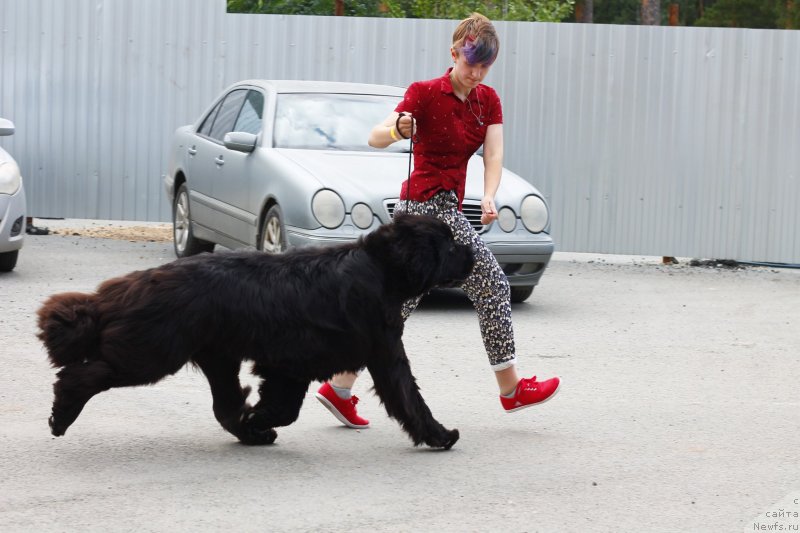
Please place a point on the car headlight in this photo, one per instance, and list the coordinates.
(361, 215)
(534, 214)
(10, 178)
(328, 207)
(507, 219)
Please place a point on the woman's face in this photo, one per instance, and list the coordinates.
(466, 74)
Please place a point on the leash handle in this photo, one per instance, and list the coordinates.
(410, 152)
(397, 124)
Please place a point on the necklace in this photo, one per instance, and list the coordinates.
(478, 117)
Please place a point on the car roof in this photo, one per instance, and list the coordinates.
(308, 86)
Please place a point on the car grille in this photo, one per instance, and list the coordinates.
(470, 208)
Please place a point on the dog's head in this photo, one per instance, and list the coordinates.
(419, 253)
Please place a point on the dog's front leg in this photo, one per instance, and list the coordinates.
(398, 390)
(281, 396)
(230, 406)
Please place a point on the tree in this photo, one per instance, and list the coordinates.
(584, 11)
(651, 12)
(540, 10)
(353, 8)
(788, 14)
(741, 14)
(616, 12)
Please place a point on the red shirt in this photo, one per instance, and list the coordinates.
(449, 132)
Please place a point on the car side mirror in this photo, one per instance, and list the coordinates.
(6, 127)
(240, 141)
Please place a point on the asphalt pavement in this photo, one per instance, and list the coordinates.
(679, 412)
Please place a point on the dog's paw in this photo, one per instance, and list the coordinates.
(257, 437)
(444, 440)
(253, 431)
(55, 428)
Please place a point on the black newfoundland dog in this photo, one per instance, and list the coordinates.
(300, 316)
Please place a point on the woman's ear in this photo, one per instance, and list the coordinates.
(453, 54)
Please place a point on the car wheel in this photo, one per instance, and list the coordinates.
(183, 238)
(8, 260)
(273, 234)
(520, 294)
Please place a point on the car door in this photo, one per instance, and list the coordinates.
(232, 185)
(207, 161)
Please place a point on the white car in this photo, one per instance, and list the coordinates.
(12, 205)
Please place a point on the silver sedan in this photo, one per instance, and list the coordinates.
(276, 164)
(12, 205)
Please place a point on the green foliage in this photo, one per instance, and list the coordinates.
(616, 11)
(789, 14)
(539, 10)
(629, 11)
(740, 14)
(721, 13)
(363, 8)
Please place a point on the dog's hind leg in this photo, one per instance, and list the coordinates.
(230, 407)
(398, 390)
(76, 384)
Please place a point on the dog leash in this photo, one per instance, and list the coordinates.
(410, 152)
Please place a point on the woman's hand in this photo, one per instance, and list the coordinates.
(493, 170)
(386, 132)
(407, 125)
(488, 210)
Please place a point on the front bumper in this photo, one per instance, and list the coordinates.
(345, 233)
(12, 221)
(522, 262)
(523, 256)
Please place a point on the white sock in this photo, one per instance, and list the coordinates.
(344, 394)
(512, 393)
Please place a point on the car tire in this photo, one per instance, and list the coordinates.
(520, 294)
(272, 238)
(8, 260)
(183, 238)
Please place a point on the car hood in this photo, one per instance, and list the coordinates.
(368, 176)
(353, 173)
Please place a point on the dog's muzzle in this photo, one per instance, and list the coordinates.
(463, 262)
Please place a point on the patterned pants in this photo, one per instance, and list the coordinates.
(487, 286)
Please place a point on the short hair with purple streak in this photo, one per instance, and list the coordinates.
(476, 38)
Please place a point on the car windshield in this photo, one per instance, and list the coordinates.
(318, 121)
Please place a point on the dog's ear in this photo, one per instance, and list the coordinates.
(408, 250)
(403, 231)
(378, 242)
(415, 227)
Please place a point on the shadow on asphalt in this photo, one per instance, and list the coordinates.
(449, 299)
(441, 299)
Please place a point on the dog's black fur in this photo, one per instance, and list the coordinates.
(301, 316)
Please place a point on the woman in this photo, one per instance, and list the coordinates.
(450, 118)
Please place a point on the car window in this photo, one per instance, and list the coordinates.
(205, 128)
(250, 116)
(331, 121)
(226, 117)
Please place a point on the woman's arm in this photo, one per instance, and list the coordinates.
(493, 168)
(384, 134)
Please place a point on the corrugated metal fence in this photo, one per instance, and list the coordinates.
(645, 140)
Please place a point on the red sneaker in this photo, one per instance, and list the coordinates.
(344, 410)
(531, 392)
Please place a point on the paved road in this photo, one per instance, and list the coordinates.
(679, 413)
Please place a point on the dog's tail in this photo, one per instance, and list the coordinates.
(68, 327)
